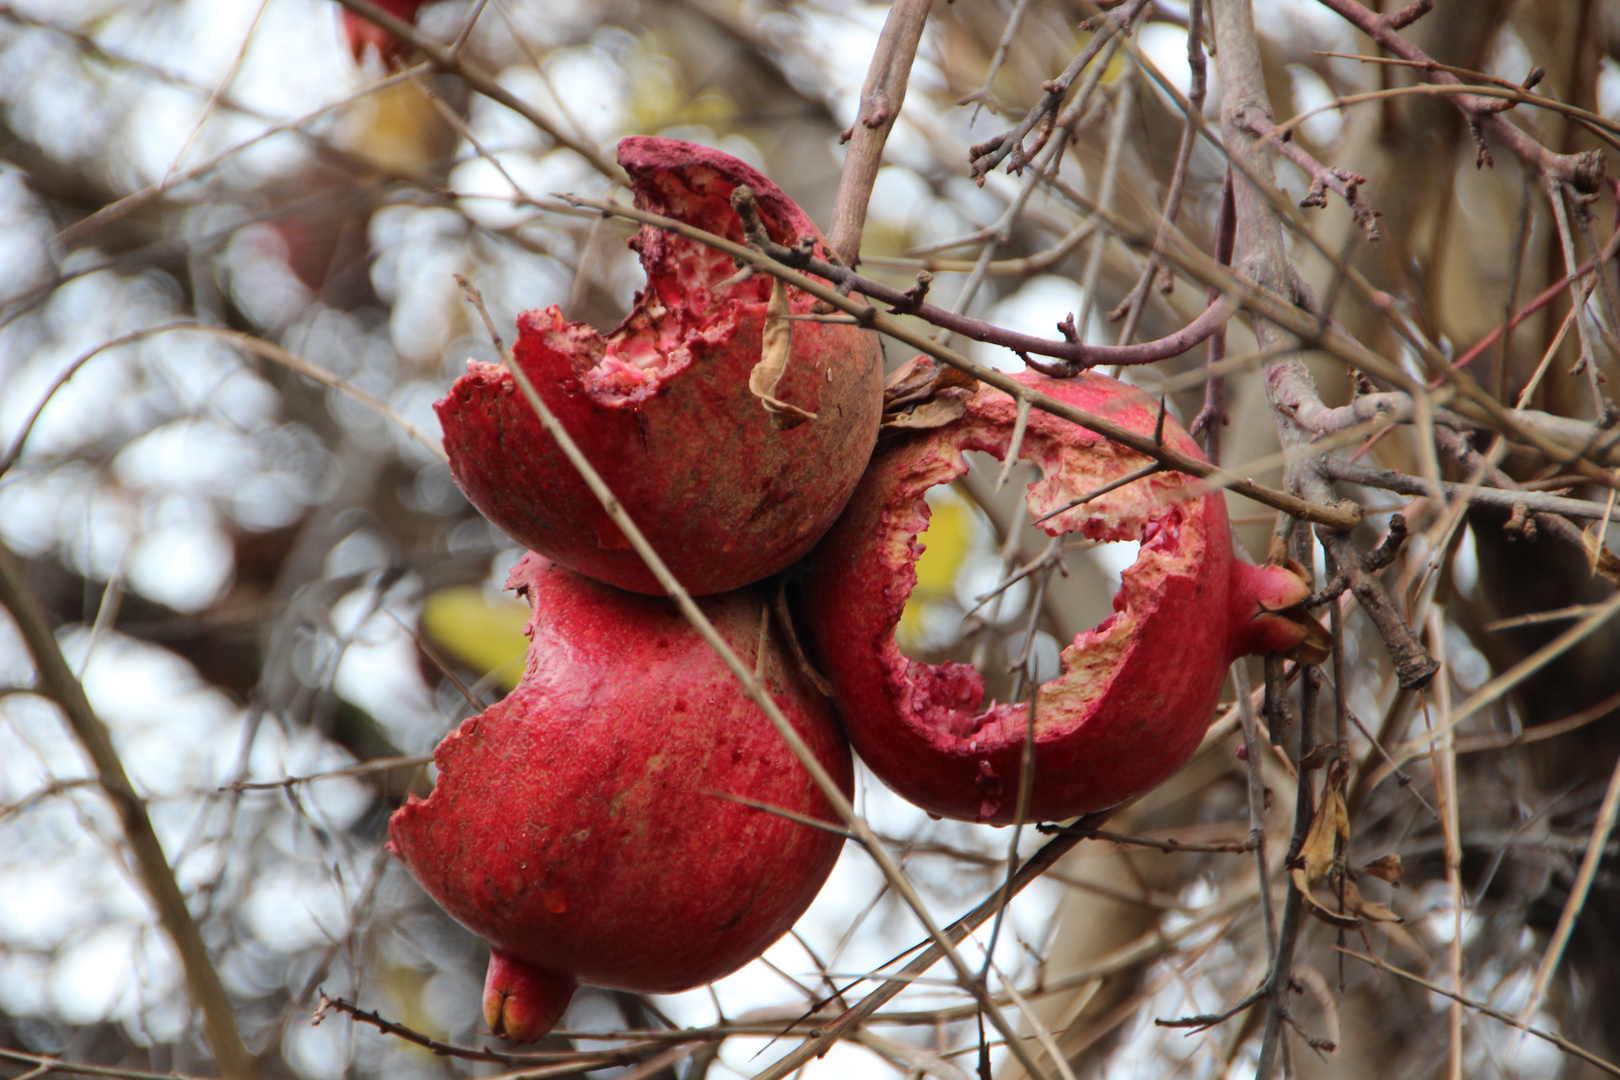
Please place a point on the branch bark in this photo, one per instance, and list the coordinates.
(881, 97)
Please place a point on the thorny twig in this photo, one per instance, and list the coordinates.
(1009, 146)
(1581, 170)
(1068, 349)
(1342, 182)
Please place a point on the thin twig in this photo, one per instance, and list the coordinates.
(1444, 755)
(567, 1062)
(77, 232)
(1135, 301)
(1009, 145)
(1595, 848)
(1341, 516)
(1167, 844)
(446, 59)
(1010, 31)
(54, 1066)
(823, 1037)
(362, 768)
(1484, 1009)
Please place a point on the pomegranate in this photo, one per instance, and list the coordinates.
(361, 33)
(726, 491)
(1136, 693)
(587, 826)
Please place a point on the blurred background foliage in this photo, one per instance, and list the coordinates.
(261, 578)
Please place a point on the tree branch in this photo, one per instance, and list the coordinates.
(881, 98)
(446, 60)
(1337, 516)
(1482, 113)
(1390, 480)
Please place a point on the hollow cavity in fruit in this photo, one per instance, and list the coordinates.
(1136, 692)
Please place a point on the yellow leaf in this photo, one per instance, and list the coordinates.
(947, 540)
(485, 635)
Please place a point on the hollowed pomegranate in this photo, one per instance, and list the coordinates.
(1136, 693)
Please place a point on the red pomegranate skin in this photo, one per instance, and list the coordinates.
(581, 826)
(661, 404)
(361, 32)
(1136, 692)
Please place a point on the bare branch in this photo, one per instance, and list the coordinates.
(1339, 516)
(881, 98)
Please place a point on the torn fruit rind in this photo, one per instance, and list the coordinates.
(662, 406)
(1136, 691)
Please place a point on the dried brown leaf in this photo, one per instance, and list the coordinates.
(920, 379)
(1371, 910)
(913, 377)
(1604, 563)
(1318, 643)
(1330, 824)
(1343, 920)
(1317, 756)
(1387, 867)
(775, 350)
(935, 412)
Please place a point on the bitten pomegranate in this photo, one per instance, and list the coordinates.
(1136, 693)
(586, 826)
(662, 407)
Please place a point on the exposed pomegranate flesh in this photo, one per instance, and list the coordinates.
(1136, 692)
(662, 407)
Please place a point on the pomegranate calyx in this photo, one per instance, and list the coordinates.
(1267, 613)
(522, 1001)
